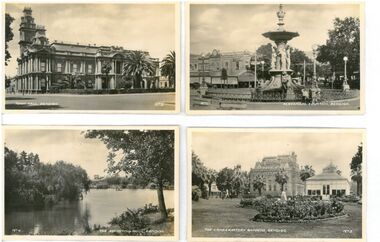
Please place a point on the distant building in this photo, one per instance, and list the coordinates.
(328, 183)
(209, 67)
(43, 65)
(269, 166)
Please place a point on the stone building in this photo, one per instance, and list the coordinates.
(210, 67)
(269, 166)
(43, 65)
(328, 183)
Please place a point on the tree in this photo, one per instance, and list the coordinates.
(201, 175)
(356, 169)
(281, 178)
(106, 69)
(306, 172)
(298, 57)
(344, 40)
(224, 181)
(264, 53)
(168, 67)
(147, 154)
(258, 183)
(137, 64)
(8, 35)
(224, 76)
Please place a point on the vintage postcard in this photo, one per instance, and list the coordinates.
(91, 183)
(276, 184)
(275, 58)
(109, 57)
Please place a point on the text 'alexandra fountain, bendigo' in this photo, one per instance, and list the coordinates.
(281, 86)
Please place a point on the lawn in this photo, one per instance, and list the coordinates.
(222, 218)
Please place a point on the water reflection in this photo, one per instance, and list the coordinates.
(97, 207)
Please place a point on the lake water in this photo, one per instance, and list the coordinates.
(97, 207)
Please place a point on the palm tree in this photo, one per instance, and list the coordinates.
(168, 67)
(137, 64)
(258, 183)
(306, 172)
(281, 178)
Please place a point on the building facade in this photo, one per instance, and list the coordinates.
(44, 66)
(209, 67)
(328, 183)
(268, 168)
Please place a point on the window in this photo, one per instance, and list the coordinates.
(195, 66)
(237, 65)
(226, 65)
(274, 187)
(43, 66)
(59, 67)
(89, 69)
(326, 189)
(75, 68)
(309, 192)
(118, 65)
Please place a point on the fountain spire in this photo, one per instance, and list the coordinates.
(281, 15)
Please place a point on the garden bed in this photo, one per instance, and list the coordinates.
(293, 211)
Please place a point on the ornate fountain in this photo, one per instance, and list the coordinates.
(281, 86)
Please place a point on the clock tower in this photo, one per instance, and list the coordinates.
(27, 29)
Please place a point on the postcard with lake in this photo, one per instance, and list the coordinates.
(91, 57)
(275, 58)
(92, 182)
(276, 184)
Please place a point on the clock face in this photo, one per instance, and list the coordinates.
(214, 52)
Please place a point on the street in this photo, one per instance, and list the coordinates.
(116, 102)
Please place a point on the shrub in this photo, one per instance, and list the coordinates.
(131, 220)
(246, 202)
(204, 190)
(195, 193)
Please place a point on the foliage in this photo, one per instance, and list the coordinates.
(8, 35)
(132, 219)
(306, 172)
(28, 182)
(258, 183)
(344, 40)
(224, 181)
(168, 67)
(202, 175)
(137, 64)
(356, 169)
(145, 154)
(196, 193)
(281, 178)
(297, 210)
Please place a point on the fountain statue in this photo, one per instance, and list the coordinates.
(281, 85)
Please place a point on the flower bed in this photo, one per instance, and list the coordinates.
(298, 210)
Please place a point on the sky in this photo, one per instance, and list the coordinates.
(221, 149)
(55, 145)
(149, 27)
(239, 27)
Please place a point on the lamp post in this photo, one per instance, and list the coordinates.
(315, 47)
(345, 59)
(203, 69)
